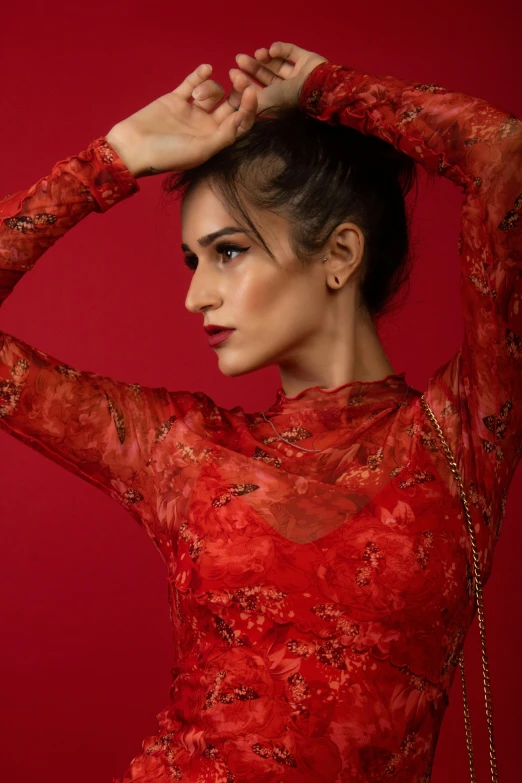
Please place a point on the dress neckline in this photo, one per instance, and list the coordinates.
(353, 393)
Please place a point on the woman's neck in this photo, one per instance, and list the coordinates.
(355, 354)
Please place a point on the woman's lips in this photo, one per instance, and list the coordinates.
(219, 337)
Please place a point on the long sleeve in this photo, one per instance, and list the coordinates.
(477, 395)
(98, 428)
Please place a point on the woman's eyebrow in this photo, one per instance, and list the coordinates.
(209, 238)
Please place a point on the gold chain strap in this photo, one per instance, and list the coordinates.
(481, 620)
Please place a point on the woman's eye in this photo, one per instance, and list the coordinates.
(223, 250)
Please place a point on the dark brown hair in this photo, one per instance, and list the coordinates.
(318, 175)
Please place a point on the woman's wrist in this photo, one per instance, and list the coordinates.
(122, 147)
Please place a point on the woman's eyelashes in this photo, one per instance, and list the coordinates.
(221, 250)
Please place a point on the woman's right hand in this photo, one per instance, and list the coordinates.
(171, 134)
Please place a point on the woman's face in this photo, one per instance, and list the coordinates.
(281, 311)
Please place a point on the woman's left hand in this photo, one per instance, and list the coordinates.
(282, 70)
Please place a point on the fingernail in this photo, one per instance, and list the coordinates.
(197, 93)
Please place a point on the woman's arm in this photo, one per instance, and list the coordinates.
(98, 428)
(101, 429)
(477, 395)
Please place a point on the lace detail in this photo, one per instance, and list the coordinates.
(313, 391)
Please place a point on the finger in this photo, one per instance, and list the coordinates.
(228, 131)
(278, 65)
(248, 109)
(263, 73)
(223, 136)
(287, 51)
(240, 82)
(193, 80)
(208, 95)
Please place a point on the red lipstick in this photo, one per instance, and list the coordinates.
(217, 334)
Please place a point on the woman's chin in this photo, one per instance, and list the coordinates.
(235, 366)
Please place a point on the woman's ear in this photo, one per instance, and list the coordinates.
(345, 253)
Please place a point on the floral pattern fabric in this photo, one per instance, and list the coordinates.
(319, 601)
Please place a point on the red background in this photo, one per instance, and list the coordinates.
(85, 654)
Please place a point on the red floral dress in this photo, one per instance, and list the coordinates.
(319, 601)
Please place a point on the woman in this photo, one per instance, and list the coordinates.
(319, 564)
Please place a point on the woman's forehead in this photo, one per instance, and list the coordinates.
(200, 196)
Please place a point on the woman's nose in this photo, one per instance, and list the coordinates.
(202, 294)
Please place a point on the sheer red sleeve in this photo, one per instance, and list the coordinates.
(476, 395)
(101, 429)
